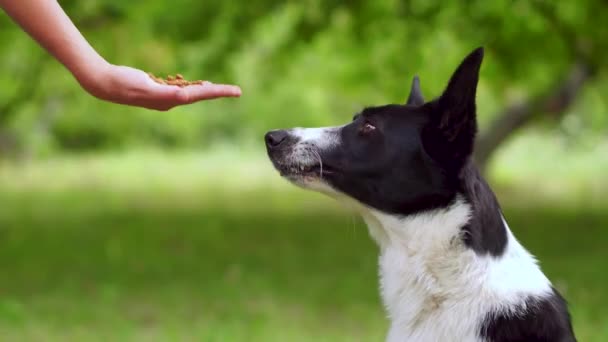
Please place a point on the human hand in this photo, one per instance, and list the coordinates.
(130, 86)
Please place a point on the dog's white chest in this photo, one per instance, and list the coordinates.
(436, 289)
(421, 305)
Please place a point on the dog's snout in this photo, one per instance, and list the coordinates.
(275, 138)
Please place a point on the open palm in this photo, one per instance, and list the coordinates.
(130, 86)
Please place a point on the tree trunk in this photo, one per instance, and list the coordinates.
(555, 102)
(9, 144)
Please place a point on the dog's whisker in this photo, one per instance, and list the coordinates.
(320, 163)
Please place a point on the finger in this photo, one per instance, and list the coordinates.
(208, 91)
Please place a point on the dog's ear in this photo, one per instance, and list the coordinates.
(415, 98)
(450, 136)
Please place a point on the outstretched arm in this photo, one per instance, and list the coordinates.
(48, 24)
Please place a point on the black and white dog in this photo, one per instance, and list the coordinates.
(450, 268)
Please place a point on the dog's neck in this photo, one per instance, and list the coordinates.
(429, 274)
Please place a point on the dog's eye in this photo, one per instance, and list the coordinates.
(367, 128)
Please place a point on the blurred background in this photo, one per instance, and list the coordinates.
(124, 224)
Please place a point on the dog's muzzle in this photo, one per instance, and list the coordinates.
(290, 157)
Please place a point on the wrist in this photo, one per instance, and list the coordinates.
(94, 77)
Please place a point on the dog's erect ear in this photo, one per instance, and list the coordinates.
(415, 98)
(451, 134)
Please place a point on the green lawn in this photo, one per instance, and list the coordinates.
(85, 256)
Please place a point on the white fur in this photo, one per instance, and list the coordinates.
(435, 288)
(322, 137)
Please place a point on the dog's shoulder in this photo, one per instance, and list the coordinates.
(540, 320)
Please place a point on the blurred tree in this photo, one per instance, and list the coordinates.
(312, 62)
(575, 39)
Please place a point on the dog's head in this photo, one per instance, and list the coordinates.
(399, 159)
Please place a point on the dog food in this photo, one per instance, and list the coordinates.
(177, 80)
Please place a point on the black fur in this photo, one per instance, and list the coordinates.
(415, 98)
(543, 320)
(485, 232)
(377, 167)
(451, 135)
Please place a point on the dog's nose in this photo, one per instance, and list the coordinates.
(275, 138)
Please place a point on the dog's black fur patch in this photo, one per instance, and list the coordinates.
(543, 320)
(485, 232)
(388, 169)
(415, 98)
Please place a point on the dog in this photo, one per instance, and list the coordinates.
(450, 268)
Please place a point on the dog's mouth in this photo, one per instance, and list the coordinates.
(297, 170)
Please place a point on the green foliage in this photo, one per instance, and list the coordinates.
(300, 63)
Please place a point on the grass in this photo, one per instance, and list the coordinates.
(155, 249)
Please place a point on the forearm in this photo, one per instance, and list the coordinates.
(48, 24)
